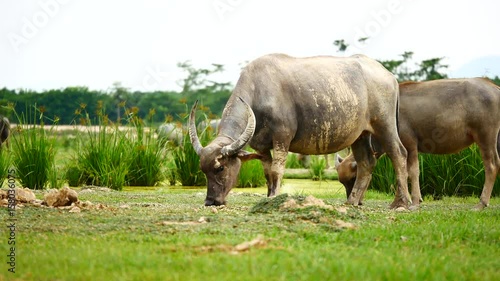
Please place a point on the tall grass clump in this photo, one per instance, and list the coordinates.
(33, 150)
(293, 162)
(251, 174)
(317, 167)
(5, 163)
(148, 155)
(187, 162)
(103, 154)
(460, 174)
(383, 176)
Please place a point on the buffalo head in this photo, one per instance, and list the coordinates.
(221, 159)
(346, 170)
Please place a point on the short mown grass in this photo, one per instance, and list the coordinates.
(154, 234)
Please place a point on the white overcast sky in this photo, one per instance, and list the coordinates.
(46, 44)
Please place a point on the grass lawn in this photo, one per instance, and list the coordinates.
(156, 234)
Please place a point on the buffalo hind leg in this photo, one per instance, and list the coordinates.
(397, 153)
(365, 164)
(491, 163)
(413, 174)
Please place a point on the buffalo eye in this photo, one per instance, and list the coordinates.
(220, 169)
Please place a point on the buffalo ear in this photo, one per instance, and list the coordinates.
(354, 165)
(246, 156)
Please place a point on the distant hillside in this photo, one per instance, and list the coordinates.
(485, 66)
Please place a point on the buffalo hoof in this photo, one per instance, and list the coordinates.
(479, 207)
(209, 202)
(401, 209)
(414, 207)
(353, 203)
(399, 204)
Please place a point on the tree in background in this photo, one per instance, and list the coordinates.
(197, 78)
(430, 69)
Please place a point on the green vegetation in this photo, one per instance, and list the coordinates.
(251, 174)
(293, 162)
(317, 167)
(62, 103)
(460, 174)
(33, 151)
(147, 155)
(113, 157)
(5, 162)
(166, 234)
(187, 162)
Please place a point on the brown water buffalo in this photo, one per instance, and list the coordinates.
(443, 117)
(314, 105)
(4, 131)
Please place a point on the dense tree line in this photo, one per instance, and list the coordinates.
(67, 105)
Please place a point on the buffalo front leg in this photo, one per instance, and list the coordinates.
(277, 168)
(365, 164)
(267, 161)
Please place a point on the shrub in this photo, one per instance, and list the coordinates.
(33, 152)
(73, 175)
(317, 167)
(147, 156)
(293, 162)
(459, 174)
(102, 156)
(251, 174)
(5, 163)
(171, 171)
(187, 162)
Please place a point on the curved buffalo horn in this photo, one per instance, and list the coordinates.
(338, 160)
(245, 137)
(193, 135)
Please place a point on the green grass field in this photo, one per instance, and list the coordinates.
(156, 234)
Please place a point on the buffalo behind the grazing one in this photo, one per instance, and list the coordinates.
(314, 105)
(443, 117)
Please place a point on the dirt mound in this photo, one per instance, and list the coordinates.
(285, 202)
(64, 198)
(308, 208)
(22, 195)
(59, 198)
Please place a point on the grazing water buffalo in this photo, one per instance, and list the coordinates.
(314, 105)
(4, 131)
(443, 117)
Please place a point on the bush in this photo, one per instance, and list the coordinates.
(5, 163)
(317, 167)
(102, 156)
(147, 157)
(113, 158)
(292, 161)
(187, 162)
(459, 174)
(33, 152)
(251, 174)
(73, 176)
